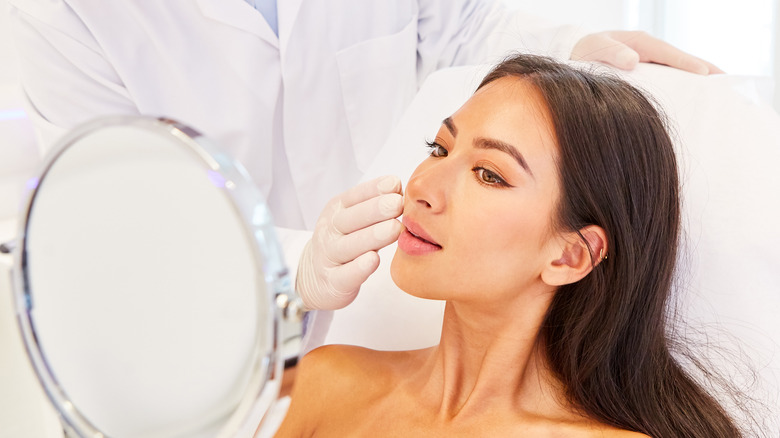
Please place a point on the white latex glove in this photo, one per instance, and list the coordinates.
(342, 252)
(624, 49)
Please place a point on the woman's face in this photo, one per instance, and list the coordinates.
(478, 212)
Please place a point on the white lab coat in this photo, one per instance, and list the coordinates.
(305, 112)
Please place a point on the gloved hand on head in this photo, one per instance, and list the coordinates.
(624, 49)
(342, 252)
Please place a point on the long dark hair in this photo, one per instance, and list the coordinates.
(607, 335)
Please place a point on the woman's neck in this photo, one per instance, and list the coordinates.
(489, 359)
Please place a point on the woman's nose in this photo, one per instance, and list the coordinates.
(426, 187)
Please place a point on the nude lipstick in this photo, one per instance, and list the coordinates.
(415, 241)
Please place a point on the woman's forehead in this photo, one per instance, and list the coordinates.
(509, 94)
(511, 108)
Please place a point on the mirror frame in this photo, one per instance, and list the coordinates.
(248, 202)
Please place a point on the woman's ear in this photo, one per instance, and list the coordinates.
(574, 259)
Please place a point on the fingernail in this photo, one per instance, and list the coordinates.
(385, 230)
(391, 205)
(388, 184)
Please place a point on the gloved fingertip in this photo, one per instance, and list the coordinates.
(389, 184)
(368, 262)
(391, 205)
(700, 68)
(714, 70)
(626, 59)
(387, 231)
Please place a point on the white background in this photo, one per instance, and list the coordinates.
(739, 36)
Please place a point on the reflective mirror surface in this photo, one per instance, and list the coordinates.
(146, 280)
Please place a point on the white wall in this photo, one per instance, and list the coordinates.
(741, 37)
(777, 55)
(737, 36)
(18, 154)
(594, 14)
(7, 55)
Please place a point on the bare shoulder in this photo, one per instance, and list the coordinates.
(350, 363)
(592, 429)
(629, 434)
(317, 375)
(340, 366)
(618, 433)
(327, 380)
(332, 369)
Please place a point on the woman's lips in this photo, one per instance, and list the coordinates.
(415, 241)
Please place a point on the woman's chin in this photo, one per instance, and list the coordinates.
(398, 272)
(408, 277)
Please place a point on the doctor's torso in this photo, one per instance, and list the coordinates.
(304, 111)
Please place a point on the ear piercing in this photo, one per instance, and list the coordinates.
(602, 256)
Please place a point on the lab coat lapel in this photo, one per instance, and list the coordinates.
(239, 14)
(287, 11)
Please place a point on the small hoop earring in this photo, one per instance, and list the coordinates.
(602, 257)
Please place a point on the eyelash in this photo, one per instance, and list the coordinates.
(434, 150)
(481, 171)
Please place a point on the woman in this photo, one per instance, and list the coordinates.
(547, 216)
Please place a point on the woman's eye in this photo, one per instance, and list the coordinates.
(489, 177)
(436, 150)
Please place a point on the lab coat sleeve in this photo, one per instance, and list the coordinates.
(293, 242)
(467, 32)
(64, 75)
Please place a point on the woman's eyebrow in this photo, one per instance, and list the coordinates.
(450, 126)
(490, 143)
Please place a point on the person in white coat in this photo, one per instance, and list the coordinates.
(302, 93)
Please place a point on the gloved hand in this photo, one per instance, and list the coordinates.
(624, 49)
(342, 252)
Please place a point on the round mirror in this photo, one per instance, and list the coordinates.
(147, 276)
